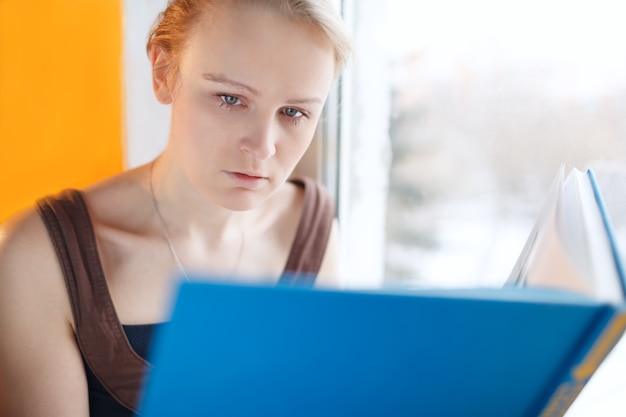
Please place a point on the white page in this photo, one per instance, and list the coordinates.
(569, 247)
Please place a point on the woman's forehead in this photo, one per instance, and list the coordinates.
(259, 46)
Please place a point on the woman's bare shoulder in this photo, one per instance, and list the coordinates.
(29, 267)
(24, 243)
(24, 239)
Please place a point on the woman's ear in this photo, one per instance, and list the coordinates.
(161, 81)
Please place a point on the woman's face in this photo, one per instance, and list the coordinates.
(246, 103)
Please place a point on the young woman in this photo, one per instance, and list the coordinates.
(85, 275)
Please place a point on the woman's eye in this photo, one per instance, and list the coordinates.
(230, 100)
(291, 112)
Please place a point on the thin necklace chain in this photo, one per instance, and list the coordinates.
(166, 234)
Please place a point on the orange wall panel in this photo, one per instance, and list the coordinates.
(60, 96)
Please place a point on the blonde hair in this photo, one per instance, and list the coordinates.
(172, 27)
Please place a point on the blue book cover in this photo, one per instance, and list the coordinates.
(256, 351)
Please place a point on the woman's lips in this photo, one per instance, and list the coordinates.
(247, 180)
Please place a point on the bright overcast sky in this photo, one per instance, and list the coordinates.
(587, 38)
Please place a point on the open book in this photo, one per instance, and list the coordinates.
(572, 245)
(524, 350)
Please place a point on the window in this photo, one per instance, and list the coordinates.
(459, 115)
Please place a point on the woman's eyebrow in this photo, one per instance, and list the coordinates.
(305, 100)
(223, 79)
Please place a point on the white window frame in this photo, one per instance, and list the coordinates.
(357, 156)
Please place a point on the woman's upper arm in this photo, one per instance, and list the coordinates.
(41, 370)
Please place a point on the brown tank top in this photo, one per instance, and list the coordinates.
(99, 333)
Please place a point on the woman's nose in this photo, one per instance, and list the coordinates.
(261, 141)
